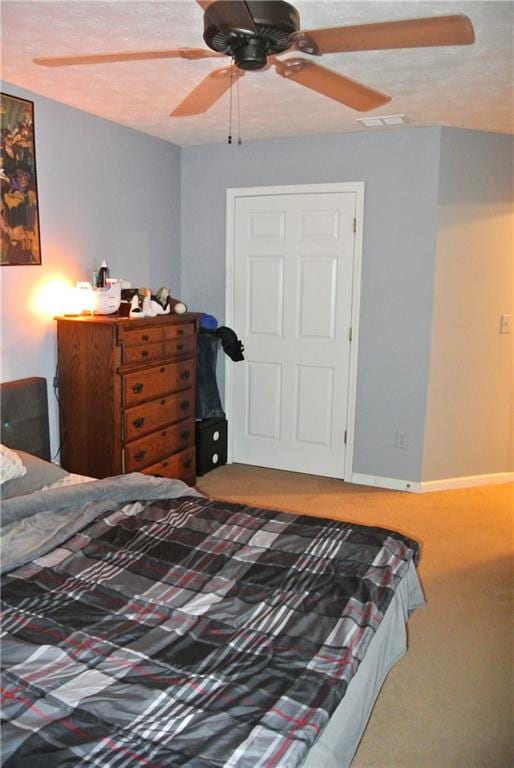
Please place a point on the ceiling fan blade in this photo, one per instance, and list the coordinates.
(331, 84)
(229, 14)
(111, 58)
(208, 92)
(409, 33)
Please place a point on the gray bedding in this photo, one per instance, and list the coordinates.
(39, 474)
(160, 628)
(34, 524)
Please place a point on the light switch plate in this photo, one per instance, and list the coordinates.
(505, 323)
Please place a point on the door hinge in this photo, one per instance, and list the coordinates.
(349, 334)
(345, 436)
(355, 225)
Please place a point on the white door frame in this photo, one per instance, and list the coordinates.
(357, 187)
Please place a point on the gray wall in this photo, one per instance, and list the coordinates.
(105, 192)
(400, 169)
(469, 406)
(432, 364)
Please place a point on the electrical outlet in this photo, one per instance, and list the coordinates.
(400, 440)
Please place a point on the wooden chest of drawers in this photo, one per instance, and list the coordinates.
(127, 395)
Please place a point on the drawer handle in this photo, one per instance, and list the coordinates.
(164, 464)
(145, 337)
(184, 405)
(138, 423)
(163, 434)
(187, 463)
(180, 347)
(163, 370)
(184, 434)
(140, 455)
(145, 353)
(180, 332)
(138, 388)
(185, 375)
(163, 402)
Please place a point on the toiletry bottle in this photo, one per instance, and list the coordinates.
(103, 274)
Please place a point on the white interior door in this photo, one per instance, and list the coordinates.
(293, 257)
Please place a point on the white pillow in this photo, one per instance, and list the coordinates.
(11, 466)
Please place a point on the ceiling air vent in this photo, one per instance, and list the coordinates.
(378, 122)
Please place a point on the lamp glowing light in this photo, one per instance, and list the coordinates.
(53, 297)
(58, 296)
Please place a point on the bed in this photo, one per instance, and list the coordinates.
(144, 624)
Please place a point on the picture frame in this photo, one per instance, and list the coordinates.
(20, 242)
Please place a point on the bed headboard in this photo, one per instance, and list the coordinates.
(24, 416)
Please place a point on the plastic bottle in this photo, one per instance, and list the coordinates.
(103, 274)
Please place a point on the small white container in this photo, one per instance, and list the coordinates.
(106, 301)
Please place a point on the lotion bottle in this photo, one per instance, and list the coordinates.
(103, 274)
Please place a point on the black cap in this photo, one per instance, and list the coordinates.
(230, 343)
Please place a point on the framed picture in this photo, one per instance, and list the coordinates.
(19, 209)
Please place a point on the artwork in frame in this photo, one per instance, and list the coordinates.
(19, 208)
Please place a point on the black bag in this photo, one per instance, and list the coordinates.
(208, 403)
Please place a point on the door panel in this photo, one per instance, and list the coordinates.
(265, 278)
(314, 404)
(320, 225)
(263, 400)
(293, 269)
(317, 296)
(266, 225)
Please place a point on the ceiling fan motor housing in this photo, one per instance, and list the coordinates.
(275, 22)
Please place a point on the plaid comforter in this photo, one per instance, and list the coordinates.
(190, 632)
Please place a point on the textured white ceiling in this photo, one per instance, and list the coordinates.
(464, 86)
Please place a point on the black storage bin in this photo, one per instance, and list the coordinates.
(211, 444)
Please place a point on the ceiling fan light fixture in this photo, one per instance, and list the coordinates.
(250, 54)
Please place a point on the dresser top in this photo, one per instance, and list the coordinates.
(133, 322)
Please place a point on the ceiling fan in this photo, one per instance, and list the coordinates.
(254, 32)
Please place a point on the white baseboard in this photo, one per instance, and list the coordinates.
(384, 482)
(472, 481)
(448, 484)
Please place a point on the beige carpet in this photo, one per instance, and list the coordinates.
(448, 702)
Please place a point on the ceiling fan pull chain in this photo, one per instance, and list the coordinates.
(229, 140)
(239, 139)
